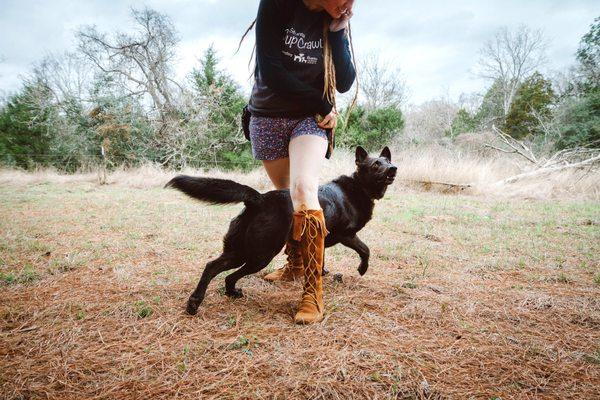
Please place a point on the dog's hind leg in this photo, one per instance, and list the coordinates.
(224, 262)
(250, 267)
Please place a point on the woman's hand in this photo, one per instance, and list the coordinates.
(330, 120)
(342, 22)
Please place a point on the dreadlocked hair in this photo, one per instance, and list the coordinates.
(329, 87)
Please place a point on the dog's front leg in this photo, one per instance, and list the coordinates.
(363, 251)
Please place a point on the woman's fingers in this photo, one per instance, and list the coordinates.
(329, 122)
(346, 15)
(341, 22)
(323, 124)
(332, 121)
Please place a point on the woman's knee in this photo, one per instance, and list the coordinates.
(304, 188)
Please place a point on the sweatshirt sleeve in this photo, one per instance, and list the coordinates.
(342, 60)
(269, 31)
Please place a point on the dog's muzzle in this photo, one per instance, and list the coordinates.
(391, 175)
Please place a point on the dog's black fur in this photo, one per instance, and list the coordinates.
(259, 232)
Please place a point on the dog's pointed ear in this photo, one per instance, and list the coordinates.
(386, 153)
(361, 155)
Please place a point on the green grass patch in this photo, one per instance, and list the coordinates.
(26, 275)
(143, 309)
(593, 358)
(563, 278)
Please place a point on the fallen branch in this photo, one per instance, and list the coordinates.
(517, 146)
(542, 171)
(561, 160)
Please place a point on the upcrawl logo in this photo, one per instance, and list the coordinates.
(297, 41)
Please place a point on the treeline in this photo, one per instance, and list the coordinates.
(558, 113)
(115, 100)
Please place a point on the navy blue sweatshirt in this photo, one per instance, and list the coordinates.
(289, 74)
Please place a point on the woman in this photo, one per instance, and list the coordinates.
(302, 57)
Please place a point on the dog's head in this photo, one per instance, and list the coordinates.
(375, 173)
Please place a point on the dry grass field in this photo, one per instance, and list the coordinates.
(471, 295)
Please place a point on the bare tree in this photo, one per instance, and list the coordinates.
(67, 75)
(510, 57)
(430, 120)
(139, 61)
(58, 89)
(381, 83)
(470, 102)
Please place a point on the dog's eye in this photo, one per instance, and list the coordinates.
(376, 164)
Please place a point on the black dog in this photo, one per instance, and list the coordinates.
(259, 232)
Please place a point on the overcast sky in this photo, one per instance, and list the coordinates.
(434, 43)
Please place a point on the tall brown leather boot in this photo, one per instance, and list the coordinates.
(293, 269)
(309, 228)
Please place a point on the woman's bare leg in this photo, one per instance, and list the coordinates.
(279, 172)
(304, 163)
(307, 153)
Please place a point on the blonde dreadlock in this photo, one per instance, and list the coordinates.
(329, 88)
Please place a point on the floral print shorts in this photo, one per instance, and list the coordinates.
(270, 136)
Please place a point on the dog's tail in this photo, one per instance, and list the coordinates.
(216, 191)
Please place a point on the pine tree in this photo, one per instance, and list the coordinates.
(531, 105)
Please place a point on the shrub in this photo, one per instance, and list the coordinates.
(579, 122)
(370, 129)
(463, 122)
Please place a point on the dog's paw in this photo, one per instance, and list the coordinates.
(235, 293)
(362, 269)
(192, 305)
